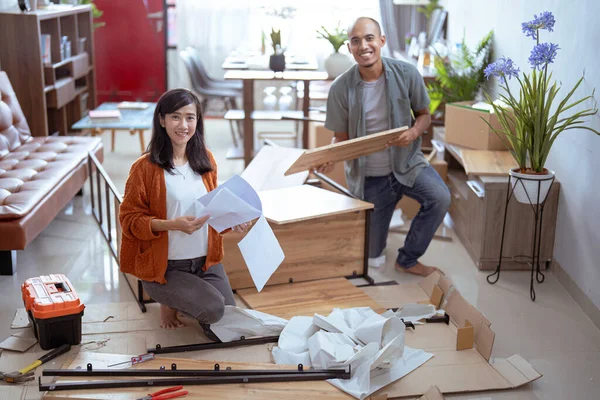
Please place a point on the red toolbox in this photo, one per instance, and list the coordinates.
(54, 309)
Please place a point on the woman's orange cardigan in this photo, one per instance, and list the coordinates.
(144, 253)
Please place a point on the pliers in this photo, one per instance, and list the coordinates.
(165, 394)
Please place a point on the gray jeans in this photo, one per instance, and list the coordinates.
(199, 294)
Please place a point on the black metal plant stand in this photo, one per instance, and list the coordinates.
(538, 211)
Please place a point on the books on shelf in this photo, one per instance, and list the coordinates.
(132, 105)
(105, 115)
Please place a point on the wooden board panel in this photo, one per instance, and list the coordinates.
(308, 298)
(346, 150)
(482, 162)
(315, 249)
(279, 390)
(302, 203)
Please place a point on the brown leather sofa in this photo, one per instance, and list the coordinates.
(38, 176)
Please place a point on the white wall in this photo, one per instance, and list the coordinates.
(575, 156)
(4, 4)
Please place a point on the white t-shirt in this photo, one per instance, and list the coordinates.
(183, 189)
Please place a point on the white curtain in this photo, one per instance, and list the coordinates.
(218, 27)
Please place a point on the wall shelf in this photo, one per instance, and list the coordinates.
(64, 88)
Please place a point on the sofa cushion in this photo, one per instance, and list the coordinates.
(32, 170)
(14, 130)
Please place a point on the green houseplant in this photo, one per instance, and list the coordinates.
(336, 63)
(96, 12)
(532, 121)
(277, 59)
(460, 78)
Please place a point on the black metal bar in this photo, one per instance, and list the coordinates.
(334, 184)
(333, 373)
(535, 233)
(276, 376)
(213, 345)
(108, 213)
(497, 272)
(385, 283)
(439, 319)
(367, 238)
(99, 217)
(90, 177)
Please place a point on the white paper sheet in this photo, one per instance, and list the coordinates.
(237, 322)
(233, 203)
(330, 349)
(365, 381)
(372, 344)
(262, 252)
(415, 312)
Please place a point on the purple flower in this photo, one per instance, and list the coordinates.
(502, 68)
(544, 21)
(542, 54)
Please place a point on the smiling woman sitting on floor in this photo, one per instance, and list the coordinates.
(175, 254)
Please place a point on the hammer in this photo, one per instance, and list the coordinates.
(27, 374)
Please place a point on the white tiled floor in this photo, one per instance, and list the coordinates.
(552, 333)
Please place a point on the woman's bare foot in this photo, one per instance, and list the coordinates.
(419, 269)
(168, 318)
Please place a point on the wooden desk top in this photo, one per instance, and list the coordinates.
(305, 202)
(270, 75)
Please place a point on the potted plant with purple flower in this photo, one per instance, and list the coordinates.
(532, 121)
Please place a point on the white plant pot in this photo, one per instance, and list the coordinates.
(336, 64)
(526, 186)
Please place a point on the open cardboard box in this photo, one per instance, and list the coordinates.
(462, 349)
(467, 127)
(450, 370)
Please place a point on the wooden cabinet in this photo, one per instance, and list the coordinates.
(321, 233)
(477, 211)
(54, 94)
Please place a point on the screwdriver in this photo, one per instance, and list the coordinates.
(137, 359)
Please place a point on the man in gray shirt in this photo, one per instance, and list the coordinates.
(377, 94)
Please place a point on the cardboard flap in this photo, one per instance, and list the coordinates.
(445, 284)
(432, 394)
(460, 310)
(516, 370)
(485, 341)
(465, 336)
(436, 296)
(428, 282)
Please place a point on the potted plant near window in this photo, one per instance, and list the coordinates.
(277, 59)
(532, 121)
(337, 63)
(459, 77)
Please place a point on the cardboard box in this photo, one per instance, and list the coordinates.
(466, 127)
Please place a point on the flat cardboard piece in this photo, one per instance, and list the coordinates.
(450, 370)
(308, 298)
(346, 150)
(258, 391)
(267, 168)
(16, 343)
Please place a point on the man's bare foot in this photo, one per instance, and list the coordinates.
(168, 318)
(419, 269)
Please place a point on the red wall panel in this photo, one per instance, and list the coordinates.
(130, 50)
